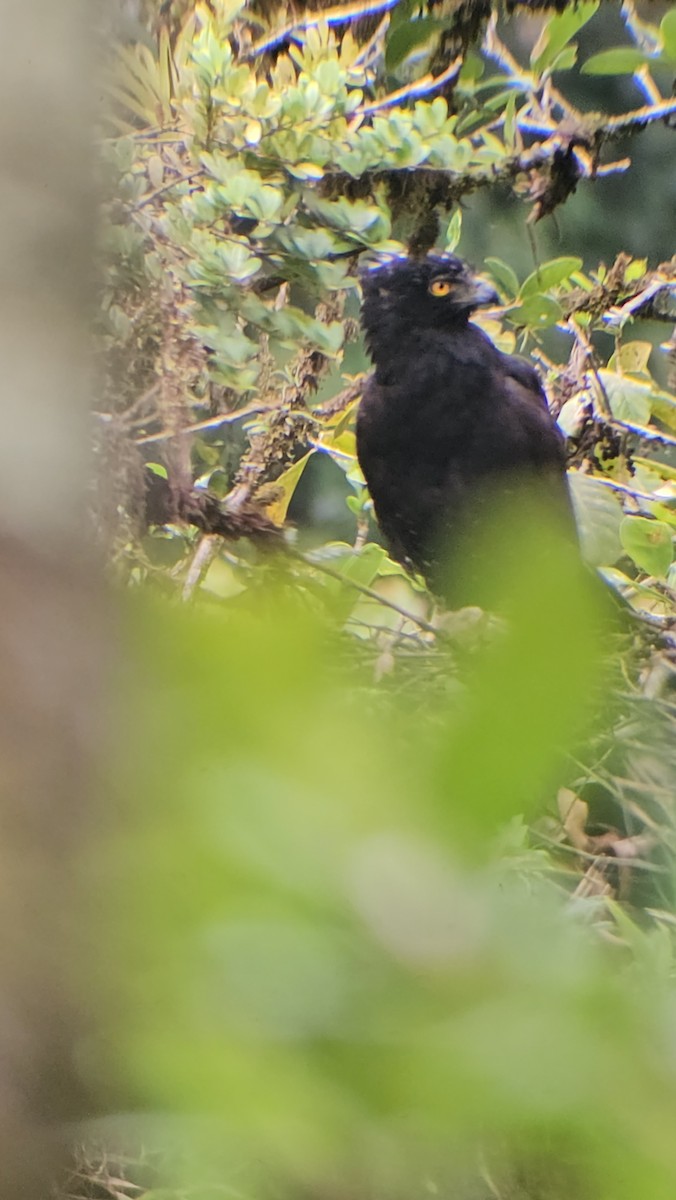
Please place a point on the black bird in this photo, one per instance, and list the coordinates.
(449, 430)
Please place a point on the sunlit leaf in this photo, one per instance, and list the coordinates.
(668, 35)
(510, 122)
(636, 268)
(664, 470)
(284, 486)
(306, 170)
(453, 231)
(664, 407)
(648, 543)
(623, 60)
(538, 312)
(629, 399)
(557, 33)
(504, 276)
(363, 567)
(599, 515)
(157, 469)
(565, 59)
(549, 275)
(631, 358)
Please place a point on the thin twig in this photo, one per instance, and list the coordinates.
(421, 87)
(342, 400)
(558, 98)
(596, 858)
(643, 34)
(210, 423)
(373, 43)
(621, 487)
(649, 435)
(203, 557)
(637, 302)
(582, 340)
(166, 187)
(647, 84)
(371, 593)
(631, 122)
(497, 50)
(340, 15)
(613, 168)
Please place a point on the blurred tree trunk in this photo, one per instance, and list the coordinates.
(50, 607)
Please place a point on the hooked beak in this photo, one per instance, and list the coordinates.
(472, 292)
(481, 292)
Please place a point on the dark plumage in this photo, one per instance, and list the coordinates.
(449, 429)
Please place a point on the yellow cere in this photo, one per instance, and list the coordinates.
(441, 287)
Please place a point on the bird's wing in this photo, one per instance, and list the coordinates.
(407, 486)
(534, 426)
(521, 377)
(379, 464)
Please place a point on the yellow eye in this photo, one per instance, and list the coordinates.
(440, 287)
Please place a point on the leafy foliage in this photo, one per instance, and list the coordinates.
(243, 221)
(328, 946)
(335, 931)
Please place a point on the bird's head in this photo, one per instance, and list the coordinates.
(439, 291)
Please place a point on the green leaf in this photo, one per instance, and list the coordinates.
(664, 408)
(313, 243)
(328, 338)
(328, 76)
(621, 60)
(453, 231)
(658, 468)
(305, 170)
(231, 346)
(538, 312)
(598, 514)
(648, 543)
(631, 358)
(557, 33)
(241, 267)
(498, 101)
(285, 485)
(266, 203)
(668, 35)
(663, 511)
(333, 275)
(360, 220)
(447, 152)
(408, 37)
(549, 275)
(472, 70)
(629, 399)
(510, 122)
(363, 567)
(565, 60)
(636, 269)
(429, 119)
(164, 548)
(504, 276)
(157, 469)
(240, 379)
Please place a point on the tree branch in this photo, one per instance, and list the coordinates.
(340, 15)
(421, 87)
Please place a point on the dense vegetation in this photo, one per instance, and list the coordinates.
(391, 896)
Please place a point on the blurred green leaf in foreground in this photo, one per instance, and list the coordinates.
(309, 933)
